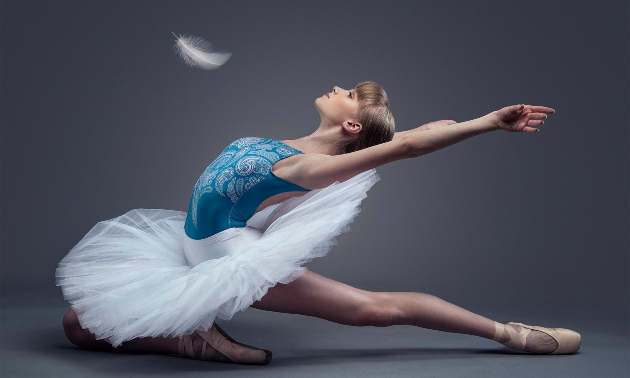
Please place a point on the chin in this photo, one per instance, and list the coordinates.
(317, 101)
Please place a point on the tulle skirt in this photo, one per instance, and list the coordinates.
(140, 275)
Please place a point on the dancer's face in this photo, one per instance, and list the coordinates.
(338, 106)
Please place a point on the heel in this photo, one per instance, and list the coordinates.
(217, 346)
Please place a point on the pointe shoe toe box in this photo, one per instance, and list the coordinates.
(568, 341)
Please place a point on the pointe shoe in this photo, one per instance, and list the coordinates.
(219, 347)
(568, 341)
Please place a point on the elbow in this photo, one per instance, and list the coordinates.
(410, 148)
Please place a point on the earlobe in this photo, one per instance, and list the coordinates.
(352, 127)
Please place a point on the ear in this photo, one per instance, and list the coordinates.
(352, 127)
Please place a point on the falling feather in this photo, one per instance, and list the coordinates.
(197, 52)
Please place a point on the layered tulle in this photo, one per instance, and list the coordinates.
(128, 277)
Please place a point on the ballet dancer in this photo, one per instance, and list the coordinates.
(154, 281)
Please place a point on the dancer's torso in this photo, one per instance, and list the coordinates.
(231, 189)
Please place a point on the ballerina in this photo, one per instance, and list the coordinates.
(156, 280)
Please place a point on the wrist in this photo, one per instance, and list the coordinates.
(492, 121)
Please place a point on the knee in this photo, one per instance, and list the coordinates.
(73, 330)
(378, 311)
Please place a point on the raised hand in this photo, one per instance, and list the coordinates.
(521, 118)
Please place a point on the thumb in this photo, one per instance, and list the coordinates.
(515, 109)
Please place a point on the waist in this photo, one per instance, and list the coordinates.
(230, 242)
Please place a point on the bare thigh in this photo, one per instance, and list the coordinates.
(315, 295)
(318, 296)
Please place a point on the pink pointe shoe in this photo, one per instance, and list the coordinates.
(217, 346)
(568, 341)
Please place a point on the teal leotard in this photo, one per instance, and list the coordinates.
(230, 190)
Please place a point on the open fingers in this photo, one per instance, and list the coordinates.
(534, 119)
(527, 117)
(527, 123)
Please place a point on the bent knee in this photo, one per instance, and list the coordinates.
(379, 312)
(73, 330)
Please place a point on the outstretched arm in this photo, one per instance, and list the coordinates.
(515, 118)
(318, 171)
(427, 126)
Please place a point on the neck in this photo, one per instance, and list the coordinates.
(327, 141)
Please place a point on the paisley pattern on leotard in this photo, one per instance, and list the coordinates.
(243, 165)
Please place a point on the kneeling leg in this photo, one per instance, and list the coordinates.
(85, 339)
(211, 345)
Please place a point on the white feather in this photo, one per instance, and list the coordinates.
(197, 52)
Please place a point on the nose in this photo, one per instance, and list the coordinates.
(336, 89)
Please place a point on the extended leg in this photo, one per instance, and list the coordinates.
(318, 296)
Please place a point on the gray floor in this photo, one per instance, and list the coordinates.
(33, 345)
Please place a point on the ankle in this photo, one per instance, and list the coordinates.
(505, 337)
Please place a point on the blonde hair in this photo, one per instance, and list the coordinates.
(374, 115)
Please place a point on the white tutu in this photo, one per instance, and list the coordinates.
(139, 275)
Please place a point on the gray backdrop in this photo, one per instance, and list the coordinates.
(99, 116)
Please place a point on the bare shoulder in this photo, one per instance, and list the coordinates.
(314, 171)
(293, 168)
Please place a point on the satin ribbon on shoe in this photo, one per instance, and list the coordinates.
(568, 341)
(219, 347)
